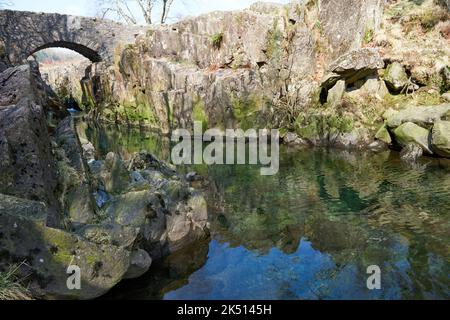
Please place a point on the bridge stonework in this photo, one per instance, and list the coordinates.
(24, 33)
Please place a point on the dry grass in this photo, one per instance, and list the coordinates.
(11, 286)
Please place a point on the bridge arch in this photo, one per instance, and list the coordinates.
(89, 53)
(24, 33)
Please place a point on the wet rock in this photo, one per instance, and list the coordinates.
(88, 150)
(49, 252)
(190, 226)
(378, 146)
(356, 139)
(166, 221)
(422, 115)
(395, 77)
(140, 263)
(410, 133)
(293, 139)
(441, 138)
(114, 176)
(73, 175)
(147, 161)
(411, 152)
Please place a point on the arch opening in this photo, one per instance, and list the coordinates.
(86, 52)
(63, 70)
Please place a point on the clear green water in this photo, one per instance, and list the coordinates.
(309, 232)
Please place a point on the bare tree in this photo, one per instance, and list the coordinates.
(131, 10)
(165, 10)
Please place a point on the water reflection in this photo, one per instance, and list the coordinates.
(309, 232)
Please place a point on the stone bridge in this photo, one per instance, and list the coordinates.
(24, 33)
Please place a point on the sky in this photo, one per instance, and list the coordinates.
(87, 8)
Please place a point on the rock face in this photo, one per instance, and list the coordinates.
(64, 78)
(27, 166)
(48, 213)
(354, 66)
(267, 60)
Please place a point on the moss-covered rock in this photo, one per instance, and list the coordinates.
(49, 252)
(395, 77)
(424, 115)
(441, 138)
(199, 114)
(384, 135)
(409, 133)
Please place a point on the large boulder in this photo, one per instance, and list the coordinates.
(166, 220)
(27, 166)
(49, 252)
(410, 133)
(422, 115)
(441, 138)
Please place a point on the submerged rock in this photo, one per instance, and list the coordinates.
(114, 176)
(411, 152)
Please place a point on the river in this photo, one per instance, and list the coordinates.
(309, 232)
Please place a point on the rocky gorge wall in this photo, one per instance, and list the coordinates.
(256, 67)
(323, 72)
(61, 205)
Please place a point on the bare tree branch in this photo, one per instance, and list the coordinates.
(129, 10)
(166, 8)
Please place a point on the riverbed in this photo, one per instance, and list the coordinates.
(309, 232)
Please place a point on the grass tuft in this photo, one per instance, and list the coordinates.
(11, 287)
